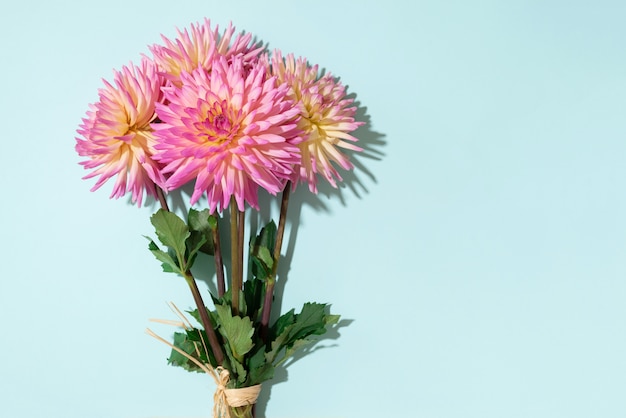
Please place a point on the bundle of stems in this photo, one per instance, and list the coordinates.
(237, 234)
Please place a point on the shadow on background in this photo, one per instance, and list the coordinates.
(355, 182)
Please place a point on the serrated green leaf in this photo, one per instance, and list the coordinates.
(177, 359)
(291, 331)
(167, 262)
(258, 268)
(281, 334)
(171, 231)
(194, 243)
(225, 299)
(151, 245)
(202, 344)
(204, 223)
(259, 368)
(262, 250)
(276, 346)
(267, 236)
(196, 315)
(199, 220)
(199, 337)
(167, 268)
(285, 320)
(238, 372)
(237, 332)
(310, 321)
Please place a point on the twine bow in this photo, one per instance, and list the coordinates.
(220, 403)
(224, 398)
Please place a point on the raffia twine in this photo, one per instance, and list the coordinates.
(224, 398)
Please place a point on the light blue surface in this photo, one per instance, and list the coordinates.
(480, 258)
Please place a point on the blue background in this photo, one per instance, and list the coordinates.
(477, 251)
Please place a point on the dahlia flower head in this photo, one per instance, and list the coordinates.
(231, 130)
(117, 136)
(199, 47)
(214, 109)
(327, 118)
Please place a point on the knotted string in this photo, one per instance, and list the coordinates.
(224, 398)
(242, 396)
(220, 403)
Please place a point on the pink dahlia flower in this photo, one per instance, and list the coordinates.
(231, 131)
(327, 118)
(117, 137)
(198, 47)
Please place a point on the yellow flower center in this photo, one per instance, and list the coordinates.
(218, 123)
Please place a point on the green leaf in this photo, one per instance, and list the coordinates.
(204, 223)
(196, 315)
(237, 332)
(227, 299)
(262, 250)
(264, 255)
(310, 321)
(172, 232)
(331, 319)
(253, 296)
(280, 342)
(259, 270)
(168, 263)
(283, 322)
(188, 346)
(291, 331)
(260, 369)
(194, 243)
(151, 244)
(267, 236)
(282, 335)
(238, 371)
(200, 338)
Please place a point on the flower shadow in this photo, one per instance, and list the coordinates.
(355, 182)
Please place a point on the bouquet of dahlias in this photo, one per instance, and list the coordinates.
(216, 110)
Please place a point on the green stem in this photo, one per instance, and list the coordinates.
(161, 198)
(205, 319)
(246, 411)
(284, 205)
(235, 279)
(204, 316)
(241, 223)
(271, 280)
(219, 263)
